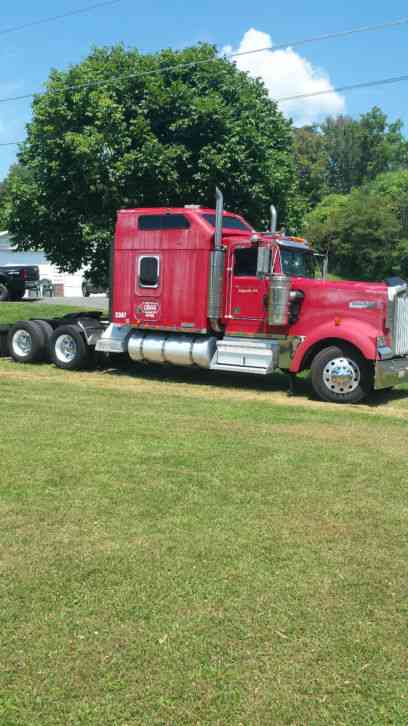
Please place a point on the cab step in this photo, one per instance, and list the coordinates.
(246, 355)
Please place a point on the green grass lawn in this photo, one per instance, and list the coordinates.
(181, 547)
(11, 312)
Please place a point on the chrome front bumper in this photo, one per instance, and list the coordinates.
(390, 372)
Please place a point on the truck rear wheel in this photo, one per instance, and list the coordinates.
(48, 331)
(26, 342)
(69, 349)
(341, 375)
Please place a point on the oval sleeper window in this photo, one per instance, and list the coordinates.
(149, 271)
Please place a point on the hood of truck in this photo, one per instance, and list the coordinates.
(343, 289)
(340, 305)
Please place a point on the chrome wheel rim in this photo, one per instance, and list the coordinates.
(65, 348)
(341, 375)
(22, 343)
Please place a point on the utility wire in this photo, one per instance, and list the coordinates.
(339, 89)
(342, 89)
(327, 36)
(296, 43)
(281, 46)
(51, 19)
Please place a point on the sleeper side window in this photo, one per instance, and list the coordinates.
(156, 222)
(149, 271)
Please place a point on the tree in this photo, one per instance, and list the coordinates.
(123, 129)
(311, 161)
(366, 231)
(344, 153)
(3, 216)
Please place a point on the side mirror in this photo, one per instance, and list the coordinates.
(263, 266)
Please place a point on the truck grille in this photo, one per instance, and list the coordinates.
(401, 325)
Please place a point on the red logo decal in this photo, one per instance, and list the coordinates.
(149, 309)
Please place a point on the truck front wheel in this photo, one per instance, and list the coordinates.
(341, 375)
(69, 349)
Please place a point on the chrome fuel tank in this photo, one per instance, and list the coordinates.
(278, 300)
(179, 350)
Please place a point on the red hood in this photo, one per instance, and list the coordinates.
(354, 286)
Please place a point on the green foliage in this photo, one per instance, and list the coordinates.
(311, 163)
(164, 130)
(365, 231)
(3, 215)
(344, 153)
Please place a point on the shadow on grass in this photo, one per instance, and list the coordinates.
(278, 382)
(379, 398)
(194, 376)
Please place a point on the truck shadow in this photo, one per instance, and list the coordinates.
(380, 398)
(278, 382)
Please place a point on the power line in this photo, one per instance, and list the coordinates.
(339, 89)
(327, 36)
(51, 19)
(238, 54)
(296, 43)
(342, 89)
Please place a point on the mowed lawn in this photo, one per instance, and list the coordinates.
(181, 547)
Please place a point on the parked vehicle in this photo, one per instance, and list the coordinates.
(90, 288)
(193, 286)
(16, 279)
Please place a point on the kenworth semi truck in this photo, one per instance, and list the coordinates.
(194, 286)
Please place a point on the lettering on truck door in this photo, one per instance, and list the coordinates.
(246, 289)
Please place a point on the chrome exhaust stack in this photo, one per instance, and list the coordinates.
(274, 219)
(219, 210)
(217, 264)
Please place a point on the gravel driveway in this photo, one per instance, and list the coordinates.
(93, 302)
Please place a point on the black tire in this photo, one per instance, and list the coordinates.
(4, 293)
(341, 375)
(16, 295)
(48, 331)
(4, 351)
(69, 349)
(26, 342)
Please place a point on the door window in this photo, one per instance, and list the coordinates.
(245, 263)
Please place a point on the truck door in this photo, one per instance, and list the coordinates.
(246, 293)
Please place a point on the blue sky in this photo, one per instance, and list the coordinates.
(26, 56)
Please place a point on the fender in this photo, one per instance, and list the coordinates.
(360, 334)
(91, 328)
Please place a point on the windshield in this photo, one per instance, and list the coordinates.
(297, 263)
(227, 222)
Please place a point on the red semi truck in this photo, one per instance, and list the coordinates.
(193, 286)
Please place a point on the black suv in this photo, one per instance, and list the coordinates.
(16, 279)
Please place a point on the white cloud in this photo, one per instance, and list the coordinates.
(286, 73)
